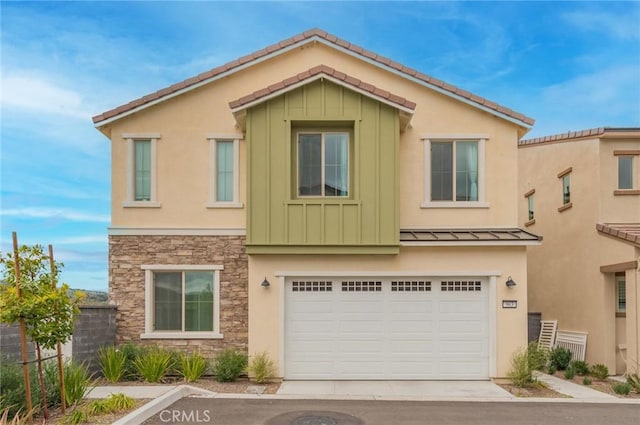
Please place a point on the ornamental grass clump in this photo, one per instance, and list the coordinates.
(261, 367)
(112, 363)
(599, 371)
(521, 374)
(192, 367)
(154, 364)
(77, 380)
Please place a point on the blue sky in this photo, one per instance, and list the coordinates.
(569, 65)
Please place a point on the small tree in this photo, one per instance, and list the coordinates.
(48, 311)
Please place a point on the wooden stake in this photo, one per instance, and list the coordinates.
(23, 331)
(63, 401)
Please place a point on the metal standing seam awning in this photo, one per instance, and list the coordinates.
(482, 236)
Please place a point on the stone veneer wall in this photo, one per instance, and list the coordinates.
(126, 285)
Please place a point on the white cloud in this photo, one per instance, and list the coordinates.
(624, 26)
(36, 94)
(71, 215)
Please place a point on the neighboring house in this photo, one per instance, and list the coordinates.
(581, 192)
(353, 217)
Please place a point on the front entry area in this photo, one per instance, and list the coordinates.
(425, 328)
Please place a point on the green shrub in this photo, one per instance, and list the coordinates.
(154, 364)
(586, 381)
(551, 369)
(131, 353)
(569, 373)
(520, 373)
(634, 381)
(537, 356)
(76, 381)
(581, 368)
(192, 367)
(228, 365)
(112, 363)
(621, 388)
(78, 416)
(560, 358)
(261, 367)
(600, 371)
(12, 388)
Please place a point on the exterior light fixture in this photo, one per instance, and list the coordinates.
(265, 283)
(510, 283)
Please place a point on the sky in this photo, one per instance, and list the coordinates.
(569, 65)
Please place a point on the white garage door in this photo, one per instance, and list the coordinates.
(426, 328)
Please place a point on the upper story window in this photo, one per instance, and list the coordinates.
(224, 166)
(565, 178)
(625, 172)
(323, 164)
(182, 301)
(454, 175)
(531, 216)
(142, 183)
(141, 170)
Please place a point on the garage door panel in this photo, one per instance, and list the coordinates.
(387, 329)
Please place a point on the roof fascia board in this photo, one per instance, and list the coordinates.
(316, 77)
(420, 82)
(314, 38)
(202, 83)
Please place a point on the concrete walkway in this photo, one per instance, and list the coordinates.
(576, 391)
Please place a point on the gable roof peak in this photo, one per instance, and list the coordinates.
(301, 39)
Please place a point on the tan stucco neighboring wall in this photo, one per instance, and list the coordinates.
(186, 120)
(565, 281)
(633, 317)
(265, 304)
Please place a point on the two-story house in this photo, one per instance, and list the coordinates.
(352, 217)
(581, 192)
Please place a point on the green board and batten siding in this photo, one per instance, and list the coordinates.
(280, 222)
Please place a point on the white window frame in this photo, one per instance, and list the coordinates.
(130, 201)
(149, 332)
(481, 202)
(323, 160)
(213, 167)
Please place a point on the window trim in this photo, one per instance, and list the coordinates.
(481, 202)
(297, 151)
(130, 201)
(149, 332)
(213, 170)
(620, 190)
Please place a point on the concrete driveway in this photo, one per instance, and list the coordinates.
(405, 390)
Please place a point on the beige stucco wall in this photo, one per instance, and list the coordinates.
(565, 281)
(511, 324)
(183, 151)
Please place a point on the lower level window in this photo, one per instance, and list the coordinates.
(621, 293)
(182, 301)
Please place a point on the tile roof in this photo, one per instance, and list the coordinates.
(448, 236)
(314, 73)
(627, 232)
(574, 135)
(305, 37)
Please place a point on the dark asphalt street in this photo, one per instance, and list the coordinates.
(348, 412)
